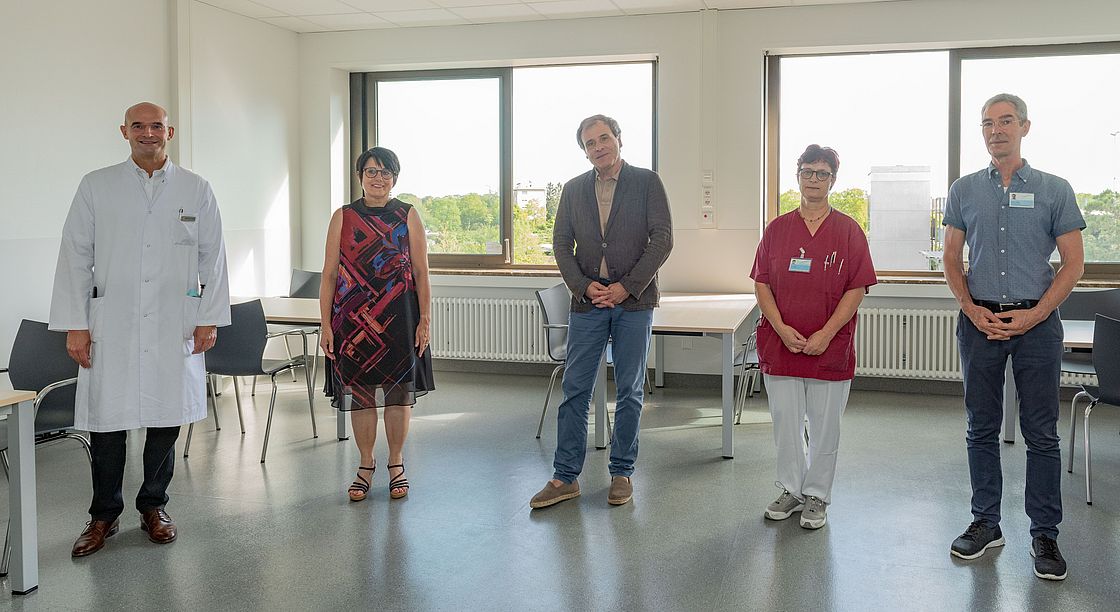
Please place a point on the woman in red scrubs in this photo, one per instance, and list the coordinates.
(811, 271)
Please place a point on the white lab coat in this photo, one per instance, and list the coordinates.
(147, 257)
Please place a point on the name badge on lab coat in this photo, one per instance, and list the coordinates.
(1021, 200)
(800, 264)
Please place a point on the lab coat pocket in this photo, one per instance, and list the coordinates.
(186, 233)
(96, 318)
(190, 315)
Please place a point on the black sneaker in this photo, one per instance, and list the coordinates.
(976, 539)
(1048, 561)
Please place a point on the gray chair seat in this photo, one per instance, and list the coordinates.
(239, 351)
(1078, 363)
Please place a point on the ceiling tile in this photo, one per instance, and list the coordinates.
(738, 4)
(474, 3)
(424, 17)
(561, 9)
(642, 7)
(377, 6)
(355, 21)
(294, 24)
(245, 7)
(308, 7)
(492, 14)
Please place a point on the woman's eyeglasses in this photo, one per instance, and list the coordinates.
(376, 172)
(822, 175)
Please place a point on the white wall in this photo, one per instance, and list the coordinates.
(244, 105)
(69, 70)
(72, 67)
(710, 98)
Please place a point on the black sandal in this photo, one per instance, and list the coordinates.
(400, 482)
(360, 485)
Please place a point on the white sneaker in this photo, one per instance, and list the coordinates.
(781, 508)
(813, 516)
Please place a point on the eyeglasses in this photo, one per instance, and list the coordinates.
(376, 172)
(822, 175)
(1003, 122)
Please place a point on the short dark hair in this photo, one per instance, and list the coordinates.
(593, 119)
(815, 153)
(385, 157)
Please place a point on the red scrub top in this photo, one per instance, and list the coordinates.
(806, 300)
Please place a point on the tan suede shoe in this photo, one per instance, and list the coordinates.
(622, 490)
(552, 494)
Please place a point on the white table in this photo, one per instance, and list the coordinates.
(1078, 334)
(712, 315)
(23, 571)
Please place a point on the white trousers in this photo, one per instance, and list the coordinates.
(807, 471)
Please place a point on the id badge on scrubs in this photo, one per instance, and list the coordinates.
(1020, 200)
(800, 264)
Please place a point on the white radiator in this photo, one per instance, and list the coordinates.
(890, 342)
(906, 343)
(488, 329)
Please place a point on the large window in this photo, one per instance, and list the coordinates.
(906, 124)
(485, 153)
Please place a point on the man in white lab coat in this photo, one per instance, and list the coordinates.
(140, 289)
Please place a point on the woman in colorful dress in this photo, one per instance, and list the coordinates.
(811, 271)
(375, 303)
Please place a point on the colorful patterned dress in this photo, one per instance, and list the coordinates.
(375, 312)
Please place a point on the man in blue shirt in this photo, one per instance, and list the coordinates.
(1012, 217)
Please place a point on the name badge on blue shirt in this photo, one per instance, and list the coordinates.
(1020, 200)
(800, 264)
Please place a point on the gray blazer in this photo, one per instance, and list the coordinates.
(638, 239)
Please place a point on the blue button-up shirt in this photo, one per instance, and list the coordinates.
(1009, 247)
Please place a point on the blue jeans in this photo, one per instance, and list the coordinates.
(587, 339)
(1036, 358)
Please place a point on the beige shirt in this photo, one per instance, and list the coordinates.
(604, 193)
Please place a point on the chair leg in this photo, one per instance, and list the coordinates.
(214, 395)
(741, 395)
(310, 399)
(8, 531)
(315, 362)
(187, 444)
(288, 349)
(237, 396)
(85, 444)
(268, 427)
(1073, 426)
(7, 549)
(649, 385)
(253, 393)
(1088, 457)
(547, 397)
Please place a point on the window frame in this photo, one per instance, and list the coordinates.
(363, 113)
(1096, 271)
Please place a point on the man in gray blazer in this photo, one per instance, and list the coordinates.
(613, 232)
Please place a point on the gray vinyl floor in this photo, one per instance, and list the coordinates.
(283, 536)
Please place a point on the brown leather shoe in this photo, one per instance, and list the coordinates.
(93, 537)
(160, 527)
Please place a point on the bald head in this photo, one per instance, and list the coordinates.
(147, 132)
(147, 109)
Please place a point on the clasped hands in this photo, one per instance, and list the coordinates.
(1002, 325)
(606, 296)
(815, 344)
